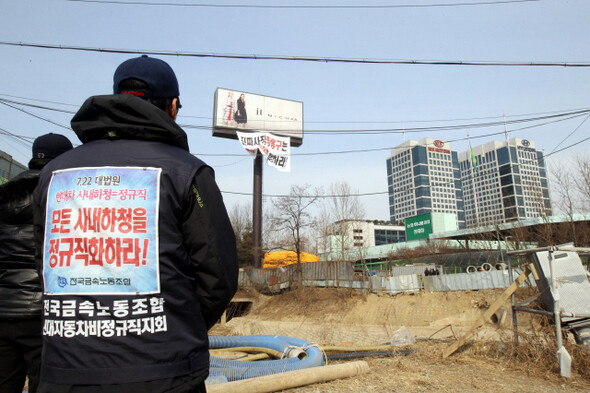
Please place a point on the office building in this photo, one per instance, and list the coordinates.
(507, 183)
(423, 177)
(349, 234)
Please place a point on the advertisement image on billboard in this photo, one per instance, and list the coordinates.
(235, 110)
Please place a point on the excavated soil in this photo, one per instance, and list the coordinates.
(489, 362)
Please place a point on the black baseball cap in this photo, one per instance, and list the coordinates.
(50, 145)
(158, 75)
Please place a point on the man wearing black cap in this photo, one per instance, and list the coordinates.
(139, 257)
(20, 288)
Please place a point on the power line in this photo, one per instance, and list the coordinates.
(3, 102)
(386, 148)
(425, 121)
(448, 127)
(209, 118)
(490, 171)
(19, 138)
(555, 117)
(301, 58)
(404, 130)
(471, 176)
(307, 196)
(567, 147)
(290, 6)
(22, 139)
(571, 133)
(564, 115)
(40, 100)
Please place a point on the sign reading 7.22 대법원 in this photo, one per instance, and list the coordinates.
(101, 231)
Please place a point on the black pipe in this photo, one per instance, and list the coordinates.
(366, 354)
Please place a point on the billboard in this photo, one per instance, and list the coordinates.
(236, 110)
(418, 227)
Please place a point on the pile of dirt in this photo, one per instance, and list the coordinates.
(490, 363)
(337, 316)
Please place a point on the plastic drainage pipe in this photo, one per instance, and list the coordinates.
(298, 354)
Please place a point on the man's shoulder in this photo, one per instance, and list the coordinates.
(184, 156)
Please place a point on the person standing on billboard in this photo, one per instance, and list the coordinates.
(241, 114)
(137, 251)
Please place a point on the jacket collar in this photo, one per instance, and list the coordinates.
(122, 116)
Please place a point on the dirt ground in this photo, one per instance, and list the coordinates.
(487, 363)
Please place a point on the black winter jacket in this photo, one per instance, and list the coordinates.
(138, 258)
(20, 288)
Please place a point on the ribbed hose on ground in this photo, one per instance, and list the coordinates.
(298, 354)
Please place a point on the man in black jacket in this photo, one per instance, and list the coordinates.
(139, 257)
(20, 288)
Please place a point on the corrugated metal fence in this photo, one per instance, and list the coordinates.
(342, 275)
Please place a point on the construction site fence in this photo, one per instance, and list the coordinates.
(342, 275)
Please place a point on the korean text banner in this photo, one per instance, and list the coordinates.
(101, 231)
(276, 149)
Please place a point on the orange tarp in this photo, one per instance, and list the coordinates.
(284, 258)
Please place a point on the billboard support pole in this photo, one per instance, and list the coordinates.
(257, 212)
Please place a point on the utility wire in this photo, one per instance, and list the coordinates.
(373, 131)
(556, 117)
(3, 102)
(40, 100)
(291, 6)
(306, 196)
(566, 115)
(470, 177)
(301, 58)
(570, 134)
(386, 148)
(443, 184)
(567, 147)
(209, 118)
(447, 127)
(19, 138)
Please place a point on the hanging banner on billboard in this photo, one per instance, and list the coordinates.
(239, 111)
(276, 149)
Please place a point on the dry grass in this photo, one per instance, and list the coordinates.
(535, 352)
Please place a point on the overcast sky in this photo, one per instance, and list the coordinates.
(339, 97)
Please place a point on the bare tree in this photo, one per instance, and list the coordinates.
(291, 215)
(241, 220)
(564, 188)
(345, 211)
(320, 239)
(571, 186)
(582, 180)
